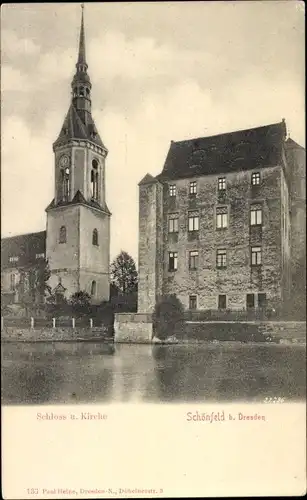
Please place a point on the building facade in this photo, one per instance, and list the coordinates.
(215, 227)
(76, 242)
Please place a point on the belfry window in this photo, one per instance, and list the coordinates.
(94, 180)
(95, 237)
(65, 174)
(62, 235)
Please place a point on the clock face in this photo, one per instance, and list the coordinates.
(64, 161)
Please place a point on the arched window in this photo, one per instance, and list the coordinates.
(94, 179)
(81, 91)
(65, 174)
(87, 91)
(62, 237)
(95, 237)
(93, 288)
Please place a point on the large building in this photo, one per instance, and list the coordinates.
(76, 242)
(223, 225)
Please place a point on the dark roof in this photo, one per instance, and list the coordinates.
(25, 247)
(148, 179)
(241, 150)
(77, 199)
(79, 124)
(291, 144)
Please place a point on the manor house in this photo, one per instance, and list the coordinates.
(223, 225)
(76, 241)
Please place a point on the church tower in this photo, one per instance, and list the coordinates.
(78, 219)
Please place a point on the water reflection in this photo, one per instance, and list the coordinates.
(39, 373)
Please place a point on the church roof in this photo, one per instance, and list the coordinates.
(78, 126)
(22, 250)
(223, 153)
(79, 199)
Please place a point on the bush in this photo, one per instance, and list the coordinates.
(168, 317)
(80, 304)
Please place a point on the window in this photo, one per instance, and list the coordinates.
(221, 183)
(62, 237)
(65, 180)
(39, 255)
(193, 187)
(262, 300)
(221, 217)
(172, 261)
(173, 223)
(222, 302)
(193, 302)
(14, 259)
(13, 282)
(256, 215)
(95, 237)
(93, 288)
(256, 256)
(172, 190)
(256, 179)
(193, 221)
(250, 300)
(193, 259)
(221, 258)
(94, 180)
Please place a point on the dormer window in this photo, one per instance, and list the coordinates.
(14, 259)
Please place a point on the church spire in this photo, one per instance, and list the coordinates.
(81, 84)
(81, 55)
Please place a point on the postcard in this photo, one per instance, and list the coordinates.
(153, 250)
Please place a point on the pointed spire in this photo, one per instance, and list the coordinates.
(81, 55)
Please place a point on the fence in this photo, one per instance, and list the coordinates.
(52, 322)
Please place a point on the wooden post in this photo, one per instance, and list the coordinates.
(2, 323)
(32, 322)
(73, 322)
(53, 322)
(91, 323)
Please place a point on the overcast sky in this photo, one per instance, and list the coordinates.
(160, 72)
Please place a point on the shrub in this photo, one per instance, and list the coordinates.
(168, 317)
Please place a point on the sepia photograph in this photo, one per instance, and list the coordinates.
(153, 225)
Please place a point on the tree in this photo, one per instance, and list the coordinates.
(168, 317)
(124, 274)
(33, 286)
(80, 303)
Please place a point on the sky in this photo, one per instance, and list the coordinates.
(160, 71)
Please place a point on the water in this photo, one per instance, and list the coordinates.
(57, 373)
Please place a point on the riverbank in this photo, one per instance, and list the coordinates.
(195, 333)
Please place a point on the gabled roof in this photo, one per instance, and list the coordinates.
(77, 125)
(148, 179)
(25, 246)
(291, 144)
(240, 150)
(79, 199)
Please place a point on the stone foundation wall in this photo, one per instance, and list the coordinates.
(135, 327)
(287, 330)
